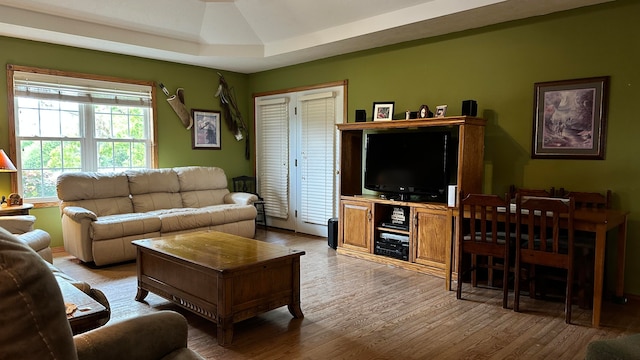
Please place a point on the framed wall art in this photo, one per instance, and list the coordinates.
(383, 111)
(569, 120)
(206, 129)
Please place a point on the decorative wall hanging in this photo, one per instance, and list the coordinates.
(569, 119)
(177, 104)
(206, 129)
(232, 114)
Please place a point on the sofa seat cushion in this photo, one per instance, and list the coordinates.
(122, 225)
(202, 198)
(182, 219)
(230, 213)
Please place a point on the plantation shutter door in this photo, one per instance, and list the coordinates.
(273, 156)
(317, 162)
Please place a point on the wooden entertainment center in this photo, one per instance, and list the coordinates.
(430, 231)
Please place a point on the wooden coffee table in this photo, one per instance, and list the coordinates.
(221, 277)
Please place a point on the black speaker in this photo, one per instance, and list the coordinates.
(469, 108)
(361, 116)
(332, 234)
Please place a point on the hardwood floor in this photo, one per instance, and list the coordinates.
(356, 309)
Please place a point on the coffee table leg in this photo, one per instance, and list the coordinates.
(142, 293)
(294, 307)
(295, 310)
(224, 332)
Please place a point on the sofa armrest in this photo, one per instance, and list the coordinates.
(240, 198)
(150, 336)
(19, 224)
(77, 213)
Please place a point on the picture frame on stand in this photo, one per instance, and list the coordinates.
(383, 111)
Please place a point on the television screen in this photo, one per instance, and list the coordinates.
(409, 163)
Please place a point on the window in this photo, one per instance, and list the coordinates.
(76, 122)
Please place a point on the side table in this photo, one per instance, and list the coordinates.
(88, 311)
(16, 210)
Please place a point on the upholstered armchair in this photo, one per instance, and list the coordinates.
(34, 325)
(23, 227)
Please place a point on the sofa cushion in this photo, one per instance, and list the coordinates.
(230, 213)
(91, 185)
(102, 193)
(183, 219)
(18, 224)
(117, 226)
(33, 318)
(202, 186)
(154, 189)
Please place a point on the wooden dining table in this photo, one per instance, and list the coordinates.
(600, 222)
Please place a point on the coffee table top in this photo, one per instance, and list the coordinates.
(88, 312)
(217, 250)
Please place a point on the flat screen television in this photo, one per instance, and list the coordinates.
(410, 164)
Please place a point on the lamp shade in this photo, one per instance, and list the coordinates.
(5, 163)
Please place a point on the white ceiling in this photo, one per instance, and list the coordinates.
(254, 35)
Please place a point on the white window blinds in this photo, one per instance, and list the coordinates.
(273, 159)
(80, 90)
(317, 163)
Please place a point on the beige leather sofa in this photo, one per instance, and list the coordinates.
(34, 325)
(103, 212)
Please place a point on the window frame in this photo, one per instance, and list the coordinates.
(153, 135)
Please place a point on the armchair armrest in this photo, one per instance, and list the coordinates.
(19, 224)
(150, 336)
(241, 198)
(77, 213)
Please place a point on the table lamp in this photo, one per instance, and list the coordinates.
(6, 166)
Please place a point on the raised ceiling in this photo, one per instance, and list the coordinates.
(254, 35)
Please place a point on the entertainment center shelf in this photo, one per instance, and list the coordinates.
(424, 244)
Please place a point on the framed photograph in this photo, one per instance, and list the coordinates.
(424, 112)
(441, 110)
(206, 129)
(569, 120)
(383, 111)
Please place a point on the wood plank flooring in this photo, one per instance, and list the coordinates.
(356, 309)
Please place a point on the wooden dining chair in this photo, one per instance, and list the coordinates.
(481, 233)
(539, 240)
(588, 200)
(584, 242)
(513, 191)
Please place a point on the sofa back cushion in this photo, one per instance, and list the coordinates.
(202, 186)
(154, 189)
(102, 193)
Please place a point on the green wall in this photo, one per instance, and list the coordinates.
(174, 140)
(498, 66)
